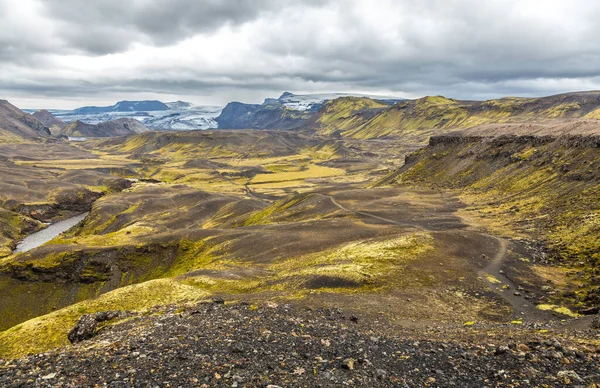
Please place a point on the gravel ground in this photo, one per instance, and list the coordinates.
(238, 345)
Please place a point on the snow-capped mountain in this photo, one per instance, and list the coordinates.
(304, 102)
(179, 105)
(288, 111)
(177, 115)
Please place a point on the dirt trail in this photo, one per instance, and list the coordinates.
(342, 207)
(492, 274)
(503, 286)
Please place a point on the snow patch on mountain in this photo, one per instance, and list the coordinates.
(180, 115)
(304, 102)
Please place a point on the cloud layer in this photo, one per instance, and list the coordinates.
(62, 53)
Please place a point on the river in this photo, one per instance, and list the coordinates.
(34, 240)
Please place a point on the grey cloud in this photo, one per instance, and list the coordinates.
(459, 48)
(106, 26)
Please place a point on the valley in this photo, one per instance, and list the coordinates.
(424, 220)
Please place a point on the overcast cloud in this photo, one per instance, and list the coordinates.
(68, 53)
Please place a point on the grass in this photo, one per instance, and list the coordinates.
(368, 263)
(13, 227)
(50, 331)
(76, 164)
(547, 193)
(344, 113)
(312, 171)
(557, 309)
(492, 279)
(263, 216)
(414, 120)
(365, 262)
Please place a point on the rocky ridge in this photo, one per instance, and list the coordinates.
(242, 345)
(17, 126)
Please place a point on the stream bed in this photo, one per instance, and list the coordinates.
(37, 239)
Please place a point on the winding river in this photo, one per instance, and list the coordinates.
(34, 240)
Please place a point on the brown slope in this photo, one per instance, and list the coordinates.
(17, 126)
(537, 182)
(49, 120)
(119, 127)
(572, 127)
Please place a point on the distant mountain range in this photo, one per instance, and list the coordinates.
(286, 112)
(124, 106)
(118, 127)
(178, 115)
(335, 115)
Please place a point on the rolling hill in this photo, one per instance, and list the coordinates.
(419, 119)
(537, 182)
(119, 127)
(17, 126)
(289, 111)
(487, 233)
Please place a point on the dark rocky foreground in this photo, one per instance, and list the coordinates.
(248, 346)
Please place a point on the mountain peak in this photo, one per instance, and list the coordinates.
(286, 94)
(18, 126)
(49, 120)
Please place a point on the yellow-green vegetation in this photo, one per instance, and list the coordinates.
(13, 227)
(418, 119)
(263, 216)
(548, 191)
(287, 174)
(24, 300)
(194, 255)
(322, 152)
(595, 114)
(224, 162)
(362, 265)
(558, 309)
(191, 145)
(413, 120)
(75, 164)
(560, 110)
(344, 113)
(46, 263)
(7, 137)
(492, 279)
(50, 331)
(128, 235)
(365, 266)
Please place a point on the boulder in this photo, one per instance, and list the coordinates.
(87, 324)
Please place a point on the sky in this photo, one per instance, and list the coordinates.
(70, 53)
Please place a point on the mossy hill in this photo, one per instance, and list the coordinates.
(416, 120)
(544, 188)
